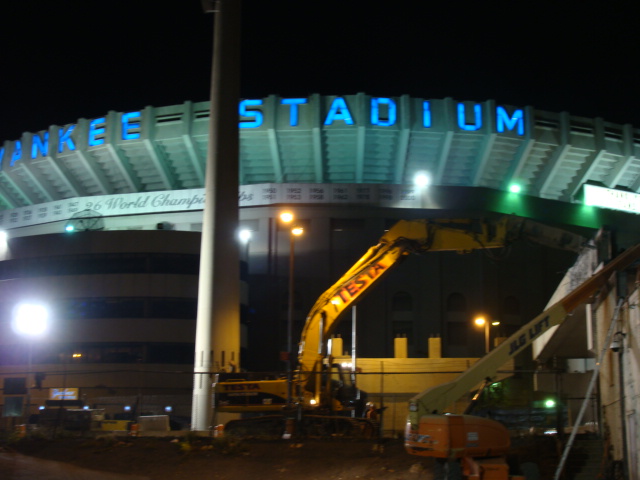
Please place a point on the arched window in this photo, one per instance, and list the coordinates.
(456, 303)
(402, 302)
(402, 315)
(511, 316)
(511, 306)
(457, 326)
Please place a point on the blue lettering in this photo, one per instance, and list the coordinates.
(94, 132)
(477, 110)
(17, 152)
(39, 144)
(504, 120)
(256, 114)
(426, 114)
(64, 137)
(293, 111)
(339, 111)
(375, 112)
(129, 126)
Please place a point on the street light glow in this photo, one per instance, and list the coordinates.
(480, 321)
(30, 319)
(286, 217)
(297, 231)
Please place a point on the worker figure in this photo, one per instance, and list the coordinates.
(371, 412)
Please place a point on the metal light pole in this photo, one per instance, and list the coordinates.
(30, 320)
(217, 342)
(295, 232)
(482, 322)
(287, 218)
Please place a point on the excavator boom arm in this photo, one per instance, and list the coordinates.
(413, 236)
(403, 238)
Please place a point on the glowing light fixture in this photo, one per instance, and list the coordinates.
(422, 180)
(244, 235)
(30, 319)
(286, 217)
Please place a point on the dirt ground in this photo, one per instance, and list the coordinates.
(190, 457)
(169, 458)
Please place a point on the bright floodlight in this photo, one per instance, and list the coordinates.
(421, 180)
(480, 321)
(30, 319)
(297, 231)
(515, 188)
(244, 235)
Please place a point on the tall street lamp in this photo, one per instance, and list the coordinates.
(294, 231)
(482, 322)
(30, 321)
(244, 236)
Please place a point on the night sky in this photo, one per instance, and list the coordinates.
(66, 59)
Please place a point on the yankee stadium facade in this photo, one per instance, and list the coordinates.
(103, 218)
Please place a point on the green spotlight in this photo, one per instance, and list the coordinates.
(69, 228)
(550, 403)
(515, 188)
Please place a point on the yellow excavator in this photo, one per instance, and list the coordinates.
(480, 444)
(319, 396)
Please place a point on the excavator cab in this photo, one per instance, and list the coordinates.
(345, 392)
(334, 389)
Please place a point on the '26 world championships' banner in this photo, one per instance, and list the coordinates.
(398, 196)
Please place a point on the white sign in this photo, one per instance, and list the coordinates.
(611, 198)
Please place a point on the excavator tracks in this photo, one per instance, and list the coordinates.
(308, 426)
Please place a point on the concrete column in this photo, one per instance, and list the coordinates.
(400, 349)
(337, 344)
(435, 347)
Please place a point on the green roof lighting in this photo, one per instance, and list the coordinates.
(515, 188)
